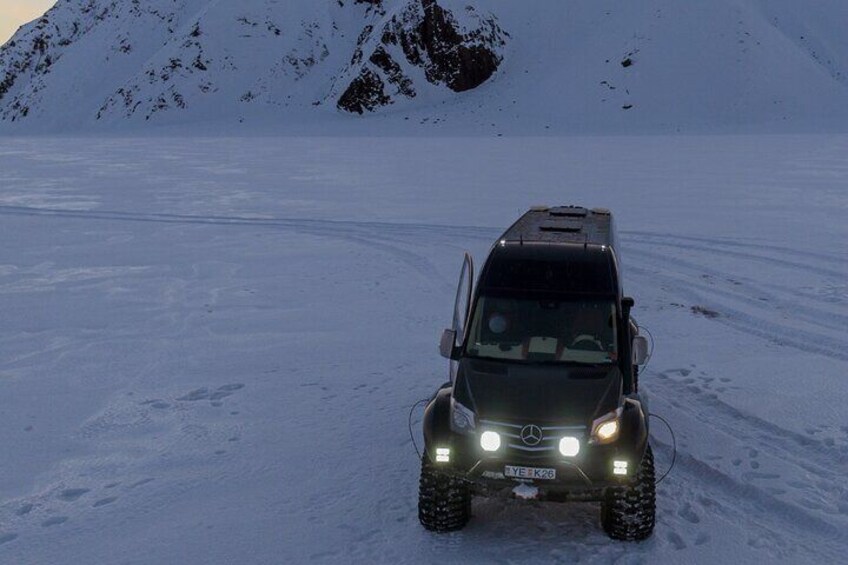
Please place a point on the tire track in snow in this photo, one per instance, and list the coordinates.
(749, 250)
(808, 468)
(369, 234)
(751, 506)
(746, 291)
(811, 455)
(326, 226)
(791, 293)
(785, 336)
(740, 305)
(811, 497)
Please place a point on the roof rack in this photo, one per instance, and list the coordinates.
(562, 224)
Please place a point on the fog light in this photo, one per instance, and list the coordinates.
(490, 441)
(619, 467)
(569, 446)
(442, 455)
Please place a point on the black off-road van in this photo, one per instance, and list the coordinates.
(543, 399)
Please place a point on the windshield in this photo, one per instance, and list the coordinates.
(543, 330)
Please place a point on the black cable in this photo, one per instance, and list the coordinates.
(673, 446)
(411, 435)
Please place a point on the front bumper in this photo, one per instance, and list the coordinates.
(586, 476)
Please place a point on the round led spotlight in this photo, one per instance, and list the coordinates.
(490, 441)
(569, 446)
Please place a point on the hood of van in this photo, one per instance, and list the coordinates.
(543, 393)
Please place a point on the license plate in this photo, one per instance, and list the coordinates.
(530, 473)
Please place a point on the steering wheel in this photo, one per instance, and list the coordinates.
(586, 342)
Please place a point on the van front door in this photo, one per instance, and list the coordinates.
(462, 306)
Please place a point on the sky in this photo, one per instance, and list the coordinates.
(14, 13)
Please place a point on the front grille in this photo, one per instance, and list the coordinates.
(511, 432)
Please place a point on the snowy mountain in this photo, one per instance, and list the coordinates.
(114, 61)
(491, 66)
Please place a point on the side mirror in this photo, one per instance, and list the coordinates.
(446, 345)
(640, 350)
(627, 303)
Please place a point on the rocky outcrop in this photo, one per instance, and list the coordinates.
(366, 92)
(427, 37)
(110, 61)
(31, 57)
(27, 61)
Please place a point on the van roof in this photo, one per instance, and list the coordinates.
(563, 224)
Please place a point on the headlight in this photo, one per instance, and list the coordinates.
(462, 419)
(606, 428)
(569, 446)
(490, 441)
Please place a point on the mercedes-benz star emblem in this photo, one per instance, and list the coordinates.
(531, 435)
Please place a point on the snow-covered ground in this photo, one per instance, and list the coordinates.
(209, 346)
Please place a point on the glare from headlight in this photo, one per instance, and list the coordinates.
(569, 446)
(490, 441)
(607, 430)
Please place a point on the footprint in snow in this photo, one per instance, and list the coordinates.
(676, 541)
(156, 403)
(195, 395)
(688, 514)
(72, 494)
(751, 475)
(215, 397)
(24, 510)
(104, 501)
(141, 482)
(54, 521)
(6, 538)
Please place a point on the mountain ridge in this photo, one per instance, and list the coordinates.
(474, 65)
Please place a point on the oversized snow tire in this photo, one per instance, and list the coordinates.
(629, 513)
(444, 502)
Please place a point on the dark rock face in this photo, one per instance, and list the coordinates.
(27, 61)
(393, 72)
(460, 61)
(366, 92)
(34, 58)
(427, 36)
